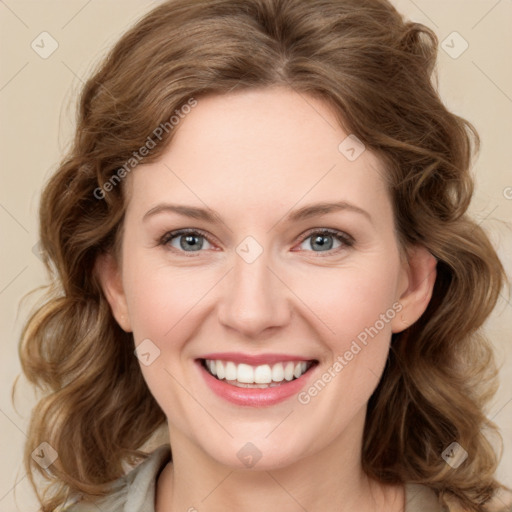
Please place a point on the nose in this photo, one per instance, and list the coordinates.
(255, 299)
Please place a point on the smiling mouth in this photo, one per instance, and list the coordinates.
(261, 376)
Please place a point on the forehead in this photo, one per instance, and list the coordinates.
(268, 148)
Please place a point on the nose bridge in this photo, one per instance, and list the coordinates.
(254, 299)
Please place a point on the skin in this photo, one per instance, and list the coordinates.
(253, 157)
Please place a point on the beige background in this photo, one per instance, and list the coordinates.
(37, 112)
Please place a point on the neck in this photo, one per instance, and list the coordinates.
(331, 480)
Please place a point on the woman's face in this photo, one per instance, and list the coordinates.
(291, 257)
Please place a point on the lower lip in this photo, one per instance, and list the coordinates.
(254, 397)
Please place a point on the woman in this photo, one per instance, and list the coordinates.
(259, 242)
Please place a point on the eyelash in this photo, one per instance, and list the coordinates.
(342, 237)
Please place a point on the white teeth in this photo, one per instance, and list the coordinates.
(220, 369)
(288, 371)
(300, 368)
(263, 375)
(278, 372)
(231, 372)
(245, 374)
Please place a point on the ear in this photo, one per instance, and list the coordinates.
(418, 278)
(109, 275)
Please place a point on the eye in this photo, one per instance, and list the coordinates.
(185, 240)
(325, 240)
(193, 240)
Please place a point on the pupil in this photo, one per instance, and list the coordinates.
(321, 242)
(190, 240)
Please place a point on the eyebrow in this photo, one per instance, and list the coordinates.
(209, 215)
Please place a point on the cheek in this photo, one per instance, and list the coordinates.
(341, 302)
(163, 304)
(160, 298)
(350, 301)
(359, 311)
(357, 305)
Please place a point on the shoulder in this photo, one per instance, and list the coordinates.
(502, 501)
(136, 488)
(420, 498)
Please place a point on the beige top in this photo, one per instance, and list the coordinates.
(135, 492)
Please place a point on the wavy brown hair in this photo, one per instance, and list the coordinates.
(377, 71)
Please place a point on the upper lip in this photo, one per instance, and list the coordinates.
(254, 360)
